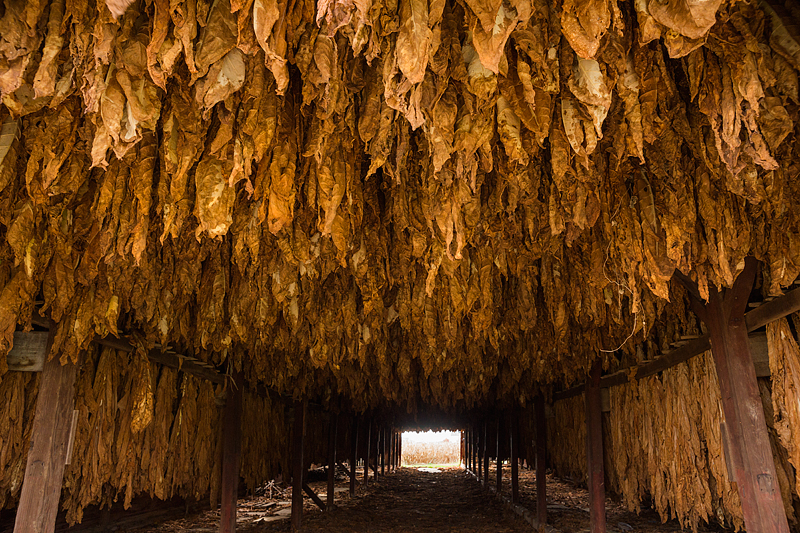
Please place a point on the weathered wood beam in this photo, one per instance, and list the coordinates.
(47, 455)
(366, 456)
(748, 438)
(313, 495)
(231, 453)
(594, 451)
(27, 344)
(486, 453)
(756, 318)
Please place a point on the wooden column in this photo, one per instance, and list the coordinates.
(541, 461)
(52, 425)
(353, 456)
(479, 452)
(383, 450)
(748, 441)
(514, 442)
(466, 449)
(298, 467)
(376, 451)
(499, 458)
(231, 453)
(331, 461)
(366, 453)
(486, 453)
(594, 451)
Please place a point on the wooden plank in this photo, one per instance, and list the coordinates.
(231, 453)
(541, 461)
(298, 467)
(747, 437)
(594, 451)
(331, 461)
(44, 471)
(29, 351)
(313, 495)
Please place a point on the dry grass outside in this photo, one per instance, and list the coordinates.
(431, 453)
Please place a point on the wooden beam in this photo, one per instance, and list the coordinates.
(773, 310)
(748, 440)
(231, 453)
(298, 467)
(29, 351)
(313, 495)
(382, 431)
(331, 461)
(760, 316)
(594, 451)
(541, 461)
(44, 471)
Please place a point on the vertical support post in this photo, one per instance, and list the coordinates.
(479, 452)
(366, 454)
(486, 453)
(514, 441)
(400, 448)
(749, 446)
(383, 450)
(499, 458)
(331, 461)
(44, 471)
(298, 467)
(467, 449)
(541, 461)
(594, 451)
(231, 453)
(353, 456)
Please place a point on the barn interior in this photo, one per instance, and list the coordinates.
(224, 221)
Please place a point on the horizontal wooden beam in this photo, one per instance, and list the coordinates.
(30, 351)
(759, 317)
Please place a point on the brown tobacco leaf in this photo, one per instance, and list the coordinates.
(691, 18)
(414, 39)
(584, 24)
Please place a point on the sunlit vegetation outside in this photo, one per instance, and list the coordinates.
(431, 449)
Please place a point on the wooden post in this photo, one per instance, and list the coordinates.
(594, 451)
(366, 455)
(376, 452)
(479, 452)
(748, 441)
(514, 441)
(231, 453)
(486, 453)
(499, 458)
(298, 467)
(383, 450)
(353, 456)
(541, 461)
(466, 449)
(400, 448)
(52, 423)
(331, 461)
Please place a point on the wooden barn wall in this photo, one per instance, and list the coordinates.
(663, 443)
(142, 429)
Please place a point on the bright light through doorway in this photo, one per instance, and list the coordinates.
(431, 449)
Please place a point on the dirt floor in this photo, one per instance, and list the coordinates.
(413, 500)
